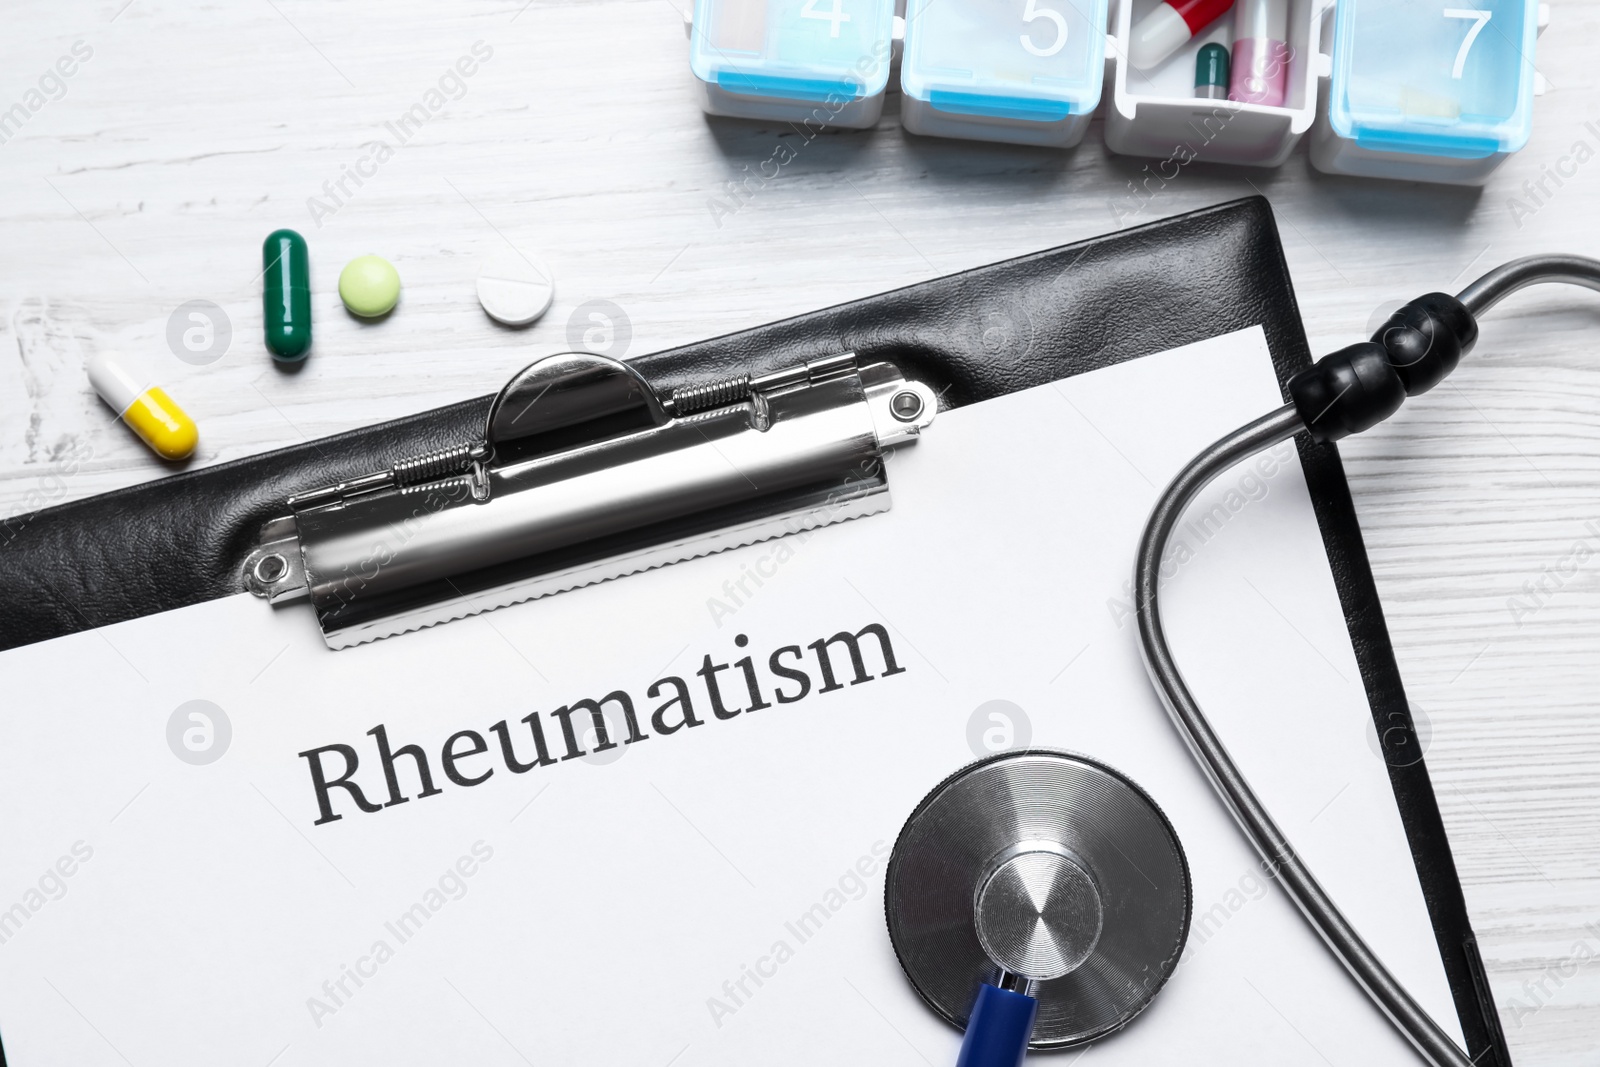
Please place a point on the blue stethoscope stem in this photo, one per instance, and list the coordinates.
(998, 1029)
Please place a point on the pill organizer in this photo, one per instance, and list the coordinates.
(821, 61)
(1156, 113)
(1436, 93)
(1412, 92)
(1028, 72)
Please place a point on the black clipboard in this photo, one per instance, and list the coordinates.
(972, 336)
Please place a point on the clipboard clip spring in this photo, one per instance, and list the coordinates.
(586, 472)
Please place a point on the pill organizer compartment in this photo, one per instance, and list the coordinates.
(1155, 112)
(1018, 71)
(820, 61)
(1427, 93)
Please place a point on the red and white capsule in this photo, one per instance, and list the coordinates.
(1169, 27)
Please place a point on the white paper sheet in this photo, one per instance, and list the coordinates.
(612, 909)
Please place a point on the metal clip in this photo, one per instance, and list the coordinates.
(585, 473)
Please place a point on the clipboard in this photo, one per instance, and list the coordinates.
(971, 336)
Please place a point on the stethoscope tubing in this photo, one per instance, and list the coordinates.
(1347, 945)
(1226, 778)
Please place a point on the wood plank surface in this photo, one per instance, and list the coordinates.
(148, 178)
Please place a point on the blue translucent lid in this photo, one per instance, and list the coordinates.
(1015, 59)
(1434, 80)
(812, 50)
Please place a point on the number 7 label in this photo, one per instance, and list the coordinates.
(1481, 19)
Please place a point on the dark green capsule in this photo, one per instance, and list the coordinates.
(1211, 72)
(286, 295)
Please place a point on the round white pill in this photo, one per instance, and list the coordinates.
(514, 288)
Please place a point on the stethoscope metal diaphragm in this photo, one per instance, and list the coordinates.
(1049, 866)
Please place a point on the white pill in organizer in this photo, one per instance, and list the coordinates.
(515, 289)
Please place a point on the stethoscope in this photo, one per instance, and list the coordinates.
(1040, 899)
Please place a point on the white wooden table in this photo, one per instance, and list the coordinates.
(149, 177)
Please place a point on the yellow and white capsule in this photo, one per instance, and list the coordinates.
(146, 408)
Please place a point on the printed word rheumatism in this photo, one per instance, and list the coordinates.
(465, 758)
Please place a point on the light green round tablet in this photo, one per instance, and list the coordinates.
(369, 286)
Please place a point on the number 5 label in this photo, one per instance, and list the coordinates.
(1031, 12)
(1480, 20)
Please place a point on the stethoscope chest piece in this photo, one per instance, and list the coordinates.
(1045, 867)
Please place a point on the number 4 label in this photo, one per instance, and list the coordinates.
(1480, 20)
(834, 17)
